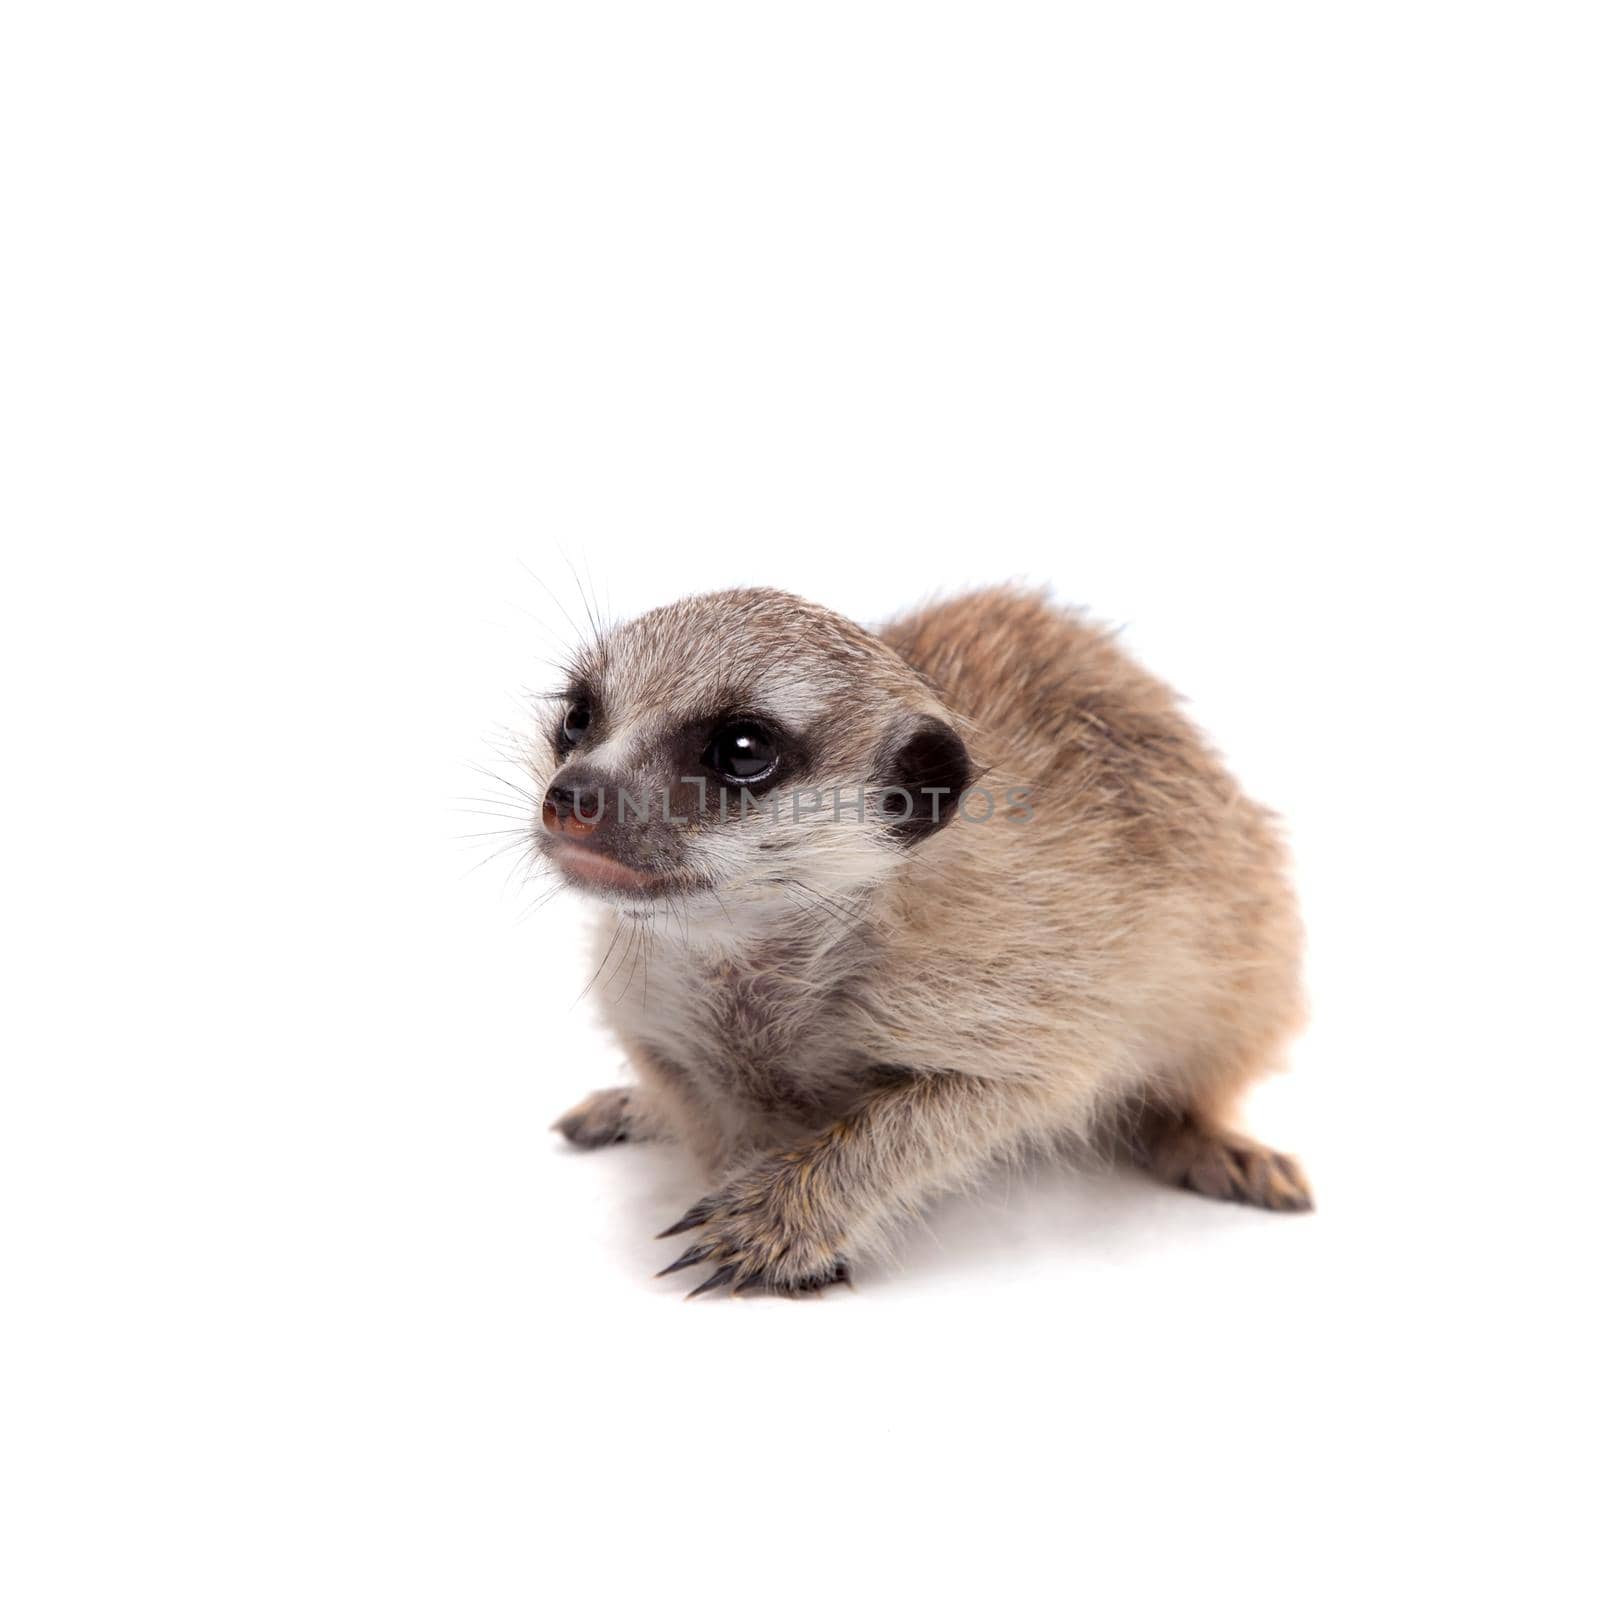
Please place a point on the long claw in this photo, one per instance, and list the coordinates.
(692, 1218)
(721, 1276)
(695, 1253)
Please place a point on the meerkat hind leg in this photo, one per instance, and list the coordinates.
(1203, 1155)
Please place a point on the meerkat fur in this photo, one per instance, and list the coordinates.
(844, 1008)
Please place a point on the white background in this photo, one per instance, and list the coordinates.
(1268, 330)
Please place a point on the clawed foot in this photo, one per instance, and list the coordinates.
(1227, 1166)
(758, 1235)
(602, 1119)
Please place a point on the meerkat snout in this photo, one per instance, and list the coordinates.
(912, 901)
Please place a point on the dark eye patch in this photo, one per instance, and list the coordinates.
(741, 748)
(742, 751)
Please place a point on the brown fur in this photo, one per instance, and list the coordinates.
(840, 1022)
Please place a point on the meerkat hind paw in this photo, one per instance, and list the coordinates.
(1224, 1165)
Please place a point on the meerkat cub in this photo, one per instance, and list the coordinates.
(896, 905)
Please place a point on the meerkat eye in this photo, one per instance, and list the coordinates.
(574, 725)
(741, 752)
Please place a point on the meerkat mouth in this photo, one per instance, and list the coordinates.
(587, 867)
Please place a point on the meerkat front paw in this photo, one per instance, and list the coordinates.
(764, 1230)
(602, 1119)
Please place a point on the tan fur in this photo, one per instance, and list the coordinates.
(842, 1025)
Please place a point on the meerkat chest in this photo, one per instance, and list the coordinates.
(766, 1032)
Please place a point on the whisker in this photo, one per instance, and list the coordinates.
(603, 960)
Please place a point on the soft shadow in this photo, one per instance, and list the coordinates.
(1022, 1221)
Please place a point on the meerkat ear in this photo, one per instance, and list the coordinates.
(928, 765)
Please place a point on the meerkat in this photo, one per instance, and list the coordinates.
(898, 905)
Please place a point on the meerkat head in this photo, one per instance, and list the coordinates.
(741, 749)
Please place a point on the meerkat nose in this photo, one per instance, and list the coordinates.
(572, 809)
